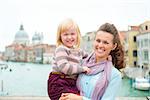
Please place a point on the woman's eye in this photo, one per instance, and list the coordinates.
(98, 41)
(105, 42)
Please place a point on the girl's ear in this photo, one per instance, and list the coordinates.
(115, 45)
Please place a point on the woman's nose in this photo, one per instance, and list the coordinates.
(100, 44)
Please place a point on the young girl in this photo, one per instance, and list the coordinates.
(67, 59)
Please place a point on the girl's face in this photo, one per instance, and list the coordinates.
(69, 38)
(103, 44)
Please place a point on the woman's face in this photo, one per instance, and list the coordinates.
(103, 45)
(69, 37)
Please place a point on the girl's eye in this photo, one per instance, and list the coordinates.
(65, 34)
(72, 33)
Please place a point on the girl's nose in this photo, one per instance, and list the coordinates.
(69, 36)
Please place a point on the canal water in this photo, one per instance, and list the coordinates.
(27, 79)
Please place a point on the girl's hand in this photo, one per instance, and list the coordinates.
(86, 69)
(70, 96)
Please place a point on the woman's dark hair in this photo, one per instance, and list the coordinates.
(118, 53)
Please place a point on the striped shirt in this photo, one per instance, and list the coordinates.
(68, 60)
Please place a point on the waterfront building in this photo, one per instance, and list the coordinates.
(30, 55)
(1, 55)
(87, 41)
(143, 45)
(9, 54)
(48, 54)
(16, 50)
(43, 53)
(132, 45)
(22, 51)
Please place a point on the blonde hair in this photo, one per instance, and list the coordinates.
(66, 25)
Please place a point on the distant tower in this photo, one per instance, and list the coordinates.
(37, 38)
(21, 37)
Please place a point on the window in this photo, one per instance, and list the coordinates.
(146, 55)
(88, 39)
(149, 42)
(138, 43)
(134, 38)
(134, 53)
(145, 42)
(146, 27)
(141, 43)
(134, 63)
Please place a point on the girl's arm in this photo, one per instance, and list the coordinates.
(84, 54)
(63, 61)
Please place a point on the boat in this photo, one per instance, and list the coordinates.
(3, 66)
(141, 83)
(148, 97)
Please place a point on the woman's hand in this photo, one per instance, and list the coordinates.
(70, 96)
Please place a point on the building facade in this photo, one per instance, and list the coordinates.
(132, 32)
(87, 41)
(22, 51)
(143, 45)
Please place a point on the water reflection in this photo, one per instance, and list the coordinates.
(21, 79)
(3, 67)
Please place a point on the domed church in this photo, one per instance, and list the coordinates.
(37, 38)
(21, 37)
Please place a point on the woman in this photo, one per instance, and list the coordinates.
(104, 80)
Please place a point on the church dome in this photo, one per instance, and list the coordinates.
(36, 37)
(21, 36)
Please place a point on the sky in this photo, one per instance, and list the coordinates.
(45, 16)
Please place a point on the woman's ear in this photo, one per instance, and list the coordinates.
(115, 45)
